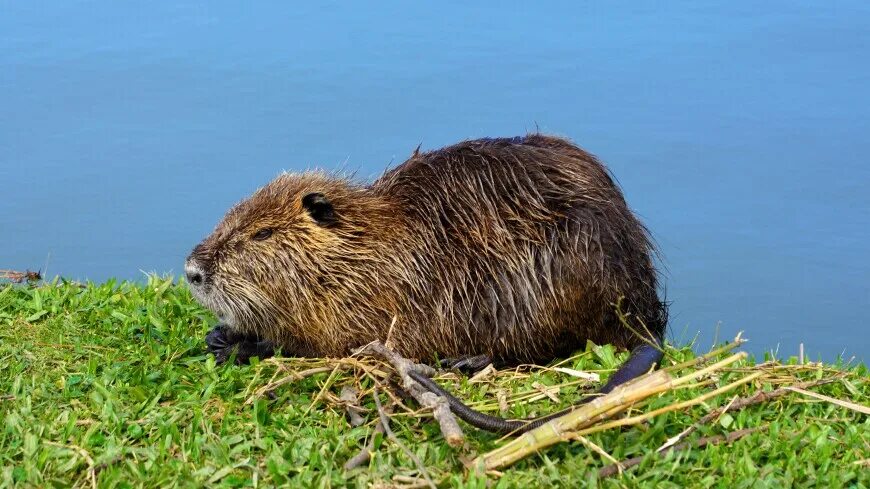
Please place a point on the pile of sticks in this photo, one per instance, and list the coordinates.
(622, 407)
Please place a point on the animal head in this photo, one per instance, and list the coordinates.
(275, 257)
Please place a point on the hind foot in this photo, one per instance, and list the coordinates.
(467, 364)
(224, 343)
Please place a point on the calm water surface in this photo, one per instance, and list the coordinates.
(740, 133)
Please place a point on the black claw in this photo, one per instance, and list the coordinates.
(468, 364)
(223, 343)
(217, 339)
(245, 350)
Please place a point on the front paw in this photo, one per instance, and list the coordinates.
(225, 344)
(467, 364)
(220, 338)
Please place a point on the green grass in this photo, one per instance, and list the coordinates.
(116, 372)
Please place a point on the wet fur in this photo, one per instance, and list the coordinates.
(513, 248)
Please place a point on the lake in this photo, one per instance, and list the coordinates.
(739, 132)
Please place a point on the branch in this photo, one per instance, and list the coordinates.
(350, 396)
(385, 422)
(440, 408)
(365, 454)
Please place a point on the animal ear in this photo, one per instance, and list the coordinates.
(320, 208)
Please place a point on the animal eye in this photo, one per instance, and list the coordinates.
(262, 234)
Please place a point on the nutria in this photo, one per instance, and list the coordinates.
(510, 250)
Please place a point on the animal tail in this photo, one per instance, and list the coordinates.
(642, 359)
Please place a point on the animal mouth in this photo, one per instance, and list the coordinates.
(208, 300)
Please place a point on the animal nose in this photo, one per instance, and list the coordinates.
(195, 273)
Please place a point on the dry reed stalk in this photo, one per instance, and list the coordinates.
(554, 431)
(326, 385)
(738, 403)
(671, 407)
(845, 404)
(619, 399)
(700, 360)
(520, 397)
(294, 376)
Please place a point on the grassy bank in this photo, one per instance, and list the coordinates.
(108, 385)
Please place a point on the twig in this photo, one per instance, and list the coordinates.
(600, 451)
(408, 482)
(286, 380)
(846, 404)
(672, 407)
(613, 469)
(365, 454)
(350, 396)
(385, 422)
(488, 371)
(703, 359)
(739, 403)
(546, 391)
(758, 398)
(326, 384)
(503, 406)
(590, 376)
(440, 408)
(578, 421)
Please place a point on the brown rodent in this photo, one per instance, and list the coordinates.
(512, 250)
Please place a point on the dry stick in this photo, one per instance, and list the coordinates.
(846, 404)
(375, 371)
(326, 385)
(408, 482)
(376, 375)
(600, 451)
(701, 360)
(739, 403)
(385, 422)
(440, 408)
(519, 397)
(280, 368)
(350, 396)
(559, 429)
(554, 431)
(286, 380)
(669, 408)
(365, 454)
(613, 469)
(742, 402)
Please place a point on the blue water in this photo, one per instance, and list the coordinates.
(739, 132)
